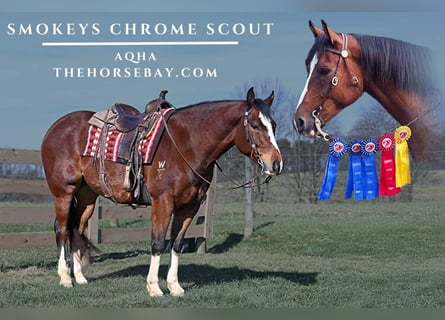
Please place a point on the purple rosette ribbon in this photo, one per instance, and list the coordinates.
(337, 149)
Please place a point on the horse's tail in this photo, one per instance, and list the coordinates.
(79, 243)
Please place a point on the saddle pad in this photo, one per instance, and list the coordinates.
(117, 151)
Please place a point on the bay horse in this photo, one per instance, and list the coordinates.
(341, 67)
(197, 136)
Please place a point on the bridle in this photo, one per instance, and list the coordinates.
(343, 54)
(255, 154)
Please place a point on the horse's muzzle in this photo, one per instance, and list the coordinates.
(274, 168)
(304, 125)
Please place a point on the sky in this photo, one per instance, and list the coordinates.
(41, 79)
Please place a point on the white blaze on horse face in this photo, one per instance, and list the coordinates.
(311, 69)
(266, 122)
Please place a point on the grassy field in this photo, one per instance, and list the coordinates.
(351, 254)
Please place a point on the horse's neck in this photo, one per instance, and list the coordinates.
(408, 109)
(213, 125)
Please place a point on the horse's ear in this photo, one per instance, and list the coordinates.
(250, 97)
(269, 99)
(333, 36)
(315, 31)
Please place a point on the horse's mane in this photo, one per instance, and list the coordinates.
(385, 60)
(259, 104)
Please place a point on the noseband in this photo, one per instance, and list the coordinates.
(342, 56)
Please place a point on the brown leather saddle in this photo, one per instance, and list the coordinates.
(129, 118)
(134, 125)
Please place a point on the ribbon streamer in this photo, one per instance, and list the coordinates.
(387, 185)
(403, 175)
(370, 182)
(355, 173)
(337, 148)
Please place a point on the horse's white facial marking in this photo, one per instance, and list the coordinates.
(266, 122)
(311, 69)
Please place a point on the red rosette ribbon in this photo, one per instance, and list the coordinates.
(387, 185)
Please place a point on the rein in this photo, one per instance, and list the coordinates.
(247, 184)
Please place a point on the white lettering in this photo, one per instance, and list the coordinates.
(239, 29)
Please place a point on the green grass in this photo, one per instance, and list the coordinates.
(352, 254)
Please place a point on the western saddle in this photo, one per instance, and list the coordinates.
(135, 126)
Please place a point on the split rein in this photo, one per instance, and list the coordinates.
(248, 184)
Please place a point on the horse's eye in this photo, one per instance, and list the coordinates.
(323, 71)
(255, 126)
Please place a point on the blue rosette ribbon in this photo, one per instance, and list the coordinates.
(370, 181)
(337, 149)
(355, 179)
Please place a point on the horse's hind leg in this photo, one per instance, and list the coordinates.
(85, 205)
(62, 207)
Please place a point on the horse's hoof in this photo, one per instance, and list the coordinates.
(66, 284)
(175, 289)
(81, 280)
(154, 291)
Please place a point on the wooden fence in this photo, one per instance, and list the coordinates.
(200, 230)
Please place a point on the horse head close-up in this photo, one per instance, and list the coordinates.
(341, 67)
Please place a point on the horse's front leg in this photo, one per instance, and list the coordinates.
(181, 222)
(160, 219)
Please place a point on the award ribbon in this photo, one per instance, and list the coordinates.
(355, 174)
(337, 148)
(403, 175)
(387, 186)
(369, 148)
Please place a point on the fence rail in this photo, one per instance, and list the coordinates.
(200, 230)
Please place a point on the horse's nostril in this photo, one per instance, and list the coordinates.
(299, 124)
(276, 166)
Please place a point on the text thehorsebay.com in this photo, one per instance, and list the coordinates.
(122, 36)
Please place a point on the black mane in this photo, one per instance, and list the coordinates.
(259, 104)
(386, 60)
